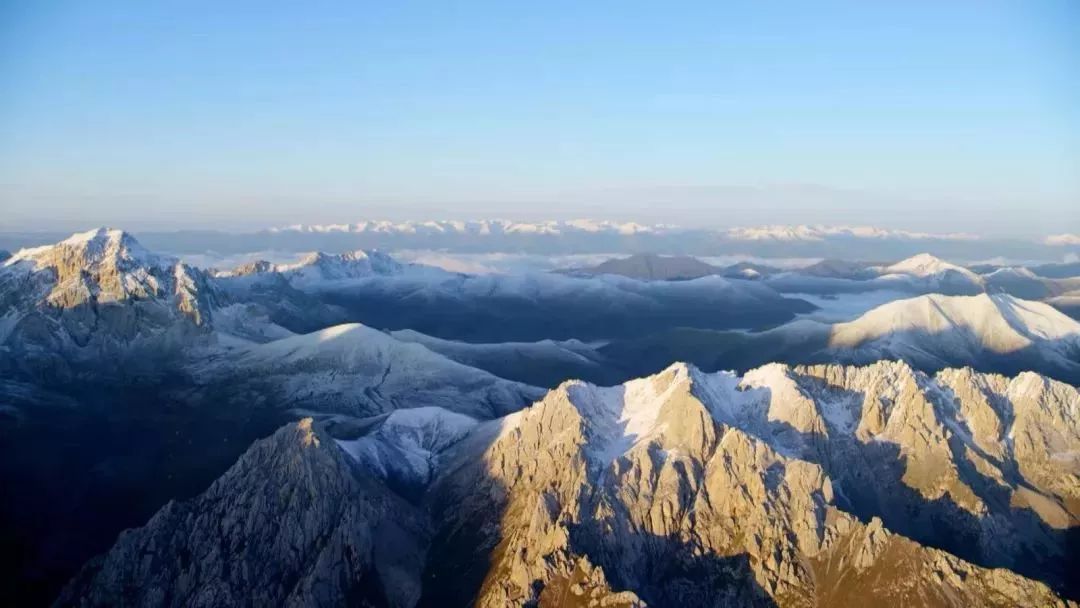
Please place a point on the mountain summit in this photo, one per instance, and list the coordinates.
(823, 485)
(96, 292)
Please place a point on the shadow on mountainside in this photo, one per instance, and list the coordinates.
(669, 571)
(463, 561)
(869, 480)
(108, 457)
(474, 529)
(503, 317)
(716, 350)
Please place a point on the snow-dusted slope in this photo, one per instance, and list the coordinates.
(483, 227)
(317, 267)
(821, 233)
(921, 273)
(932, 274)
(97, 297)
(998, 333)
(537, 306)
(998, 324)
(405, 444)
(100, 266)
(361, 371)
(543, 363)
(713, 489)
(784, 487)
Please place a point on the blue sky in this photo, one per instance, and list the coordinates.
(925, 115)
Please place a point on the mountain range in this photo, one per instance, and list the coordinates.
(680, 488)
(534, 439)
(598, 237)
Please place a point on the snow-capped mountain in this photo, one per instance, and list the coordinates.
(824, 485)
(544, 363)
(820, 233)
(781, 486)
(404, 447)
(932, 274)
(559, 227)
(356, 370)
(922, 273)
(485, 227)
(996, 333)
(319, 266)
(99, 295)
(950, 328)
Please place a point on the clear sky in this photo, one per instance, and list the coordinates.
(928, 115)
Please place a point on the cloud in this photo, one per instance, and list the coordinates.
(1063, 240)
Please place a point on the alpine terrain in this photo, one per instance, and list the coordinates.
(348, 429)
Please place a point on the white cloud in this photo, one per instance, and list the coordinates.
(1062, 240)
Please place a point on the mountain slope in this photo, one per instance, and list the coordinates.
(783, 487)
(533, 307)
(651, 267)
(992, 329)
(100, 298)
(356, 370)
(319, 266)
(705, 490)
(922, 273)
(545, 363)
(292, 523)
(997, 333)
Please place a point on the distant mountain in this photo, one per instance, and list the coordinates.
(319, 266)
(267, 298)
(359, 371)
(532, 307)
(748, 270)
(651, 267)
(486, 227)
(997, 333)
(933, 273)
(434, 471)
(941, 329)
(1058, 271)
(545, 363)
(784, 487)
(925, 273)
(922, 273)
(594, 237)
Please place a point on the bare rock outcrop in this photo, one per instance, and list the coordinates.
(794, 487)
(293, 523)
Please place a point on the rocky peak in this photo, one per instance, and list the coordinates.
(292, 523)
(924, 265)
(319, 266)
(682, 488)
(96, 298)
(256, 267)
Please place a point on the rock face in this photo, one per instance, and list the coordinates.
(293, 523)
(691, 489)
(807, 486)
(99, 296)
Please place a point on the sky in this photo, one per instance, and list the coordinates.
(239, 115)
